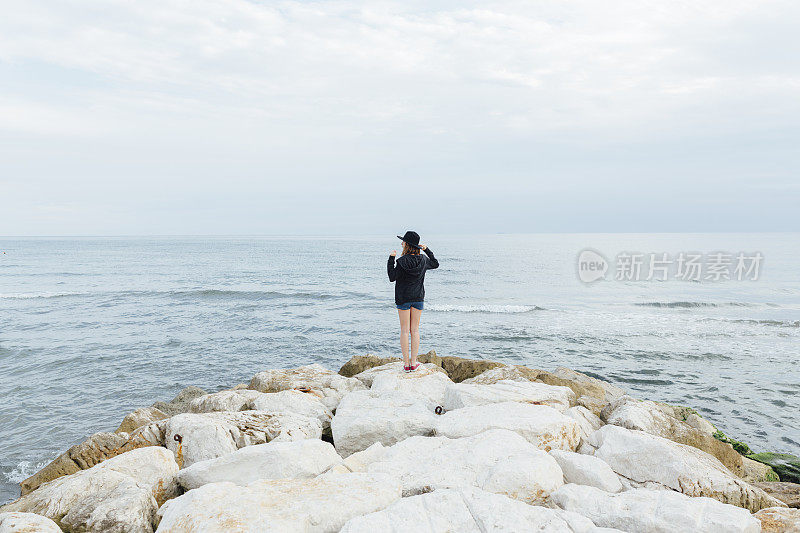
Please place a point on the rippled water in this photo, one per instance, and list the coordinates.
(91, 329)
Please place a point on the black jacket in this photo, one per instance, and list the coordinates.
(409, 275)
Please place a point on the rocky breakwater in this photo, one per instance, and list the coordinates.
(458, 445)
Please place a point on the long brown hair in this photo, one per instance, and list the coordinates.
(409, 250)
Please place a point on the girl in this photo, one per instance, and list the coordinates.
(409, 292)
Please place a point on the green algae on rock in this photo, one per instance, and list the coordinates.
(739, 446)
(786, 465)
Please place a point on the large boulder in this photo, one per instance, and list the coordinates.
(274, 460)
(691, 417)
(359, 461)
(331, 387)
(27, 523)
(755, 472)
(544, 427)
(498, 461)
(587, 470)
(368, 376)
(658, 419)
(779, 520)
(459, 368)
(359, 363)
(294, 402)
(654, 511)
(594, 405)
(119, 494)
(94, 450)
(181, 402)
(428, 382)
(466, 510)
(461, 395)
(788, 493)
(322, 504)
(365, 417)
(195, 437)
(590, 392)
(586, 419)
(226, 400)
(140, 417)
(786, 465)
(505, 373)
(290, 402)
(646, 460)
(582, 384)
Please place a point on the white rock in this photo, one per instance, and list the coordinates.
(505, 373)
(654, 511)
(459, 395)
(329, 385)
(322, 504)
(779, 520)
(595, 405)
(196, 437)
(655, 462)
(292, 402)
(660, 419)
(588, 421)
(587, 385)
(544, 427)
(366, 417)
(498, 461)
(152, 467)
(119, 494)
(700, 424)
(274, 460)
(210, 435)
(140, 417)
(227, 400)
(359, 461)
(592, 393)
(368, 376)
(587, 470)
(642, 415)
(466, 510)
(26, 523)
(428, 382)
(152, 434)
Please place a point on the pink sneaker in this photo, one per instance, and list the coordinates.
(407, 368)
(412, 368)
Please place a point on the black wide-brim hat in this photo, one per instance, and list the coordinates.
(411, 237)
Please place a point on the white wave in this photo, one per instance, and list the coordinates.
(487, 308)
(23, 471)
(29, 295)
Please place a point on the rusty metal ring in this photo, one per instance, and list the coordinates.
(439, 410)
(178, 438)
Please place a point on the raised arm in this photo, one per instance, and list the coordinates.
(433, 263)
(390, 268)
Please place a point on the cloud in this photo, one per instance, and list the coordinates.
(453, 93)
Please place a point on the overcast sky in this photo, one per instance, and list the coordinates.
(241, 117)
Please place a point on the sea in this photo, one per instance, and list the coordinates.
(92, 328)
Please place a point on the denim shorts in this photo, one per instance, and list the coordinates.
(408, 305)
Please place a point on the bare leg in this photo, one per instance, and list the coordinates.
(414, 326)
(404, 332)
